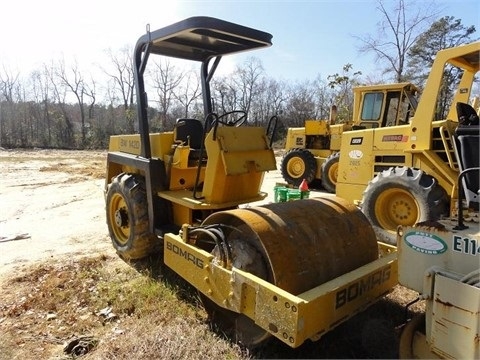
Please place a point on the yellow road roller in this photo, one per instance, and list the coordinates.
(293, 270)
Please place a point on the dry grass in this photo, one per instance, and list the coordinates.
(125, 313)
(92, 169)
(147, 312)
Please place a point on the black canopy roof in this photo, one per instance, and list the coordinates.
(201, 38)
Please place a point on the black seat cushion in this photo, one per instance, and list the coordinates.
(468, 140)
(466, 114)
(189, 131)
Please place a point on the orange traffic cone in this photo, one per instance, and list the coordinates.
(303, 185)
(304, 189)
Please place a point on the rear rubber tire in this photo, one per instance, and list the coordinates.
(127, 218)
(402, 196)
(298, 164)
(330, 172)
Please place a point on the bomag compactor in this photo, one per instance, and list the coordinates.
(406, 174)
(313, 151)
(292, 270)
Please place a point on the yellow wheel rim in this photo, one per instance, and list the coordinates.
(295, 167)
(118, 218)
(396, 207)
(333, 173)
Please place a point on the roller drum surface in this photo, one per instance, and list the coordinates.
(303, 243)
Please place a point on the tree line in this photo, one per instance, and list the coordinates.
(60, 106)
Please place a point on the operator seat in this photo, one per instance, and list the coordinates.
(190, 132)
(466, 114)
(467, 137)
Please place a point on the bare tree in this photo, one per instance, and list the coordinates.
(41, 90)
(8, 83)
(112, 100)
(90, 91)
(301, 104)
(123, 80)
(247, 79)
(270, 100)
(225, 94)
(276, 96)
(166, 79)
(324, 98)
(189, 92)
(64, 128)
(24, 117)
(76, 84)
(398, 30)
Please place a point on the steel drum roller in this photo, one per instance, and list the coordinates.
(303, 243)
(295, 245)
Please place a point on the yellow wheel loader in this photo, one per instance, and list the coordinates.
(406, 174)
(291, 270)
(312, 152)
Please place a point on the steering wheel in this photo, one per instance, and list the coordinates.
(237, 122)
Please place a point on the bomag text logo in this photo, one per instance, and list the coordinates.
(353, 291)
(185, 254)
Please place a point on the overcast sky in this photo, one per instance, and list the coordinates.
(310, 38)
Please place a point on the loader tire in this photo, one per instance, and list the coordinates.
(402, 196)
(329, 172)
(298, 164)
(127, 218)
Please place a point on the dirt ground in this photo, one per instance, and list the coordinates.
(53, 208)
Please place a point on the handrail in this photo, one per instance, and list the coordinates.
(444, 130)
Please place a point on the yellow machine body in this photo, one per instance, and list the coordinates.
(175, 156)
(308, 148)
(309, 277)
(296, 137)
(328, 139)
(237, 159)
(231, 173)
(421, 144)
(368, 152)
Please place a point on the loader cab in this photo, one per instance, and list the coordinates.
(385, 105)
